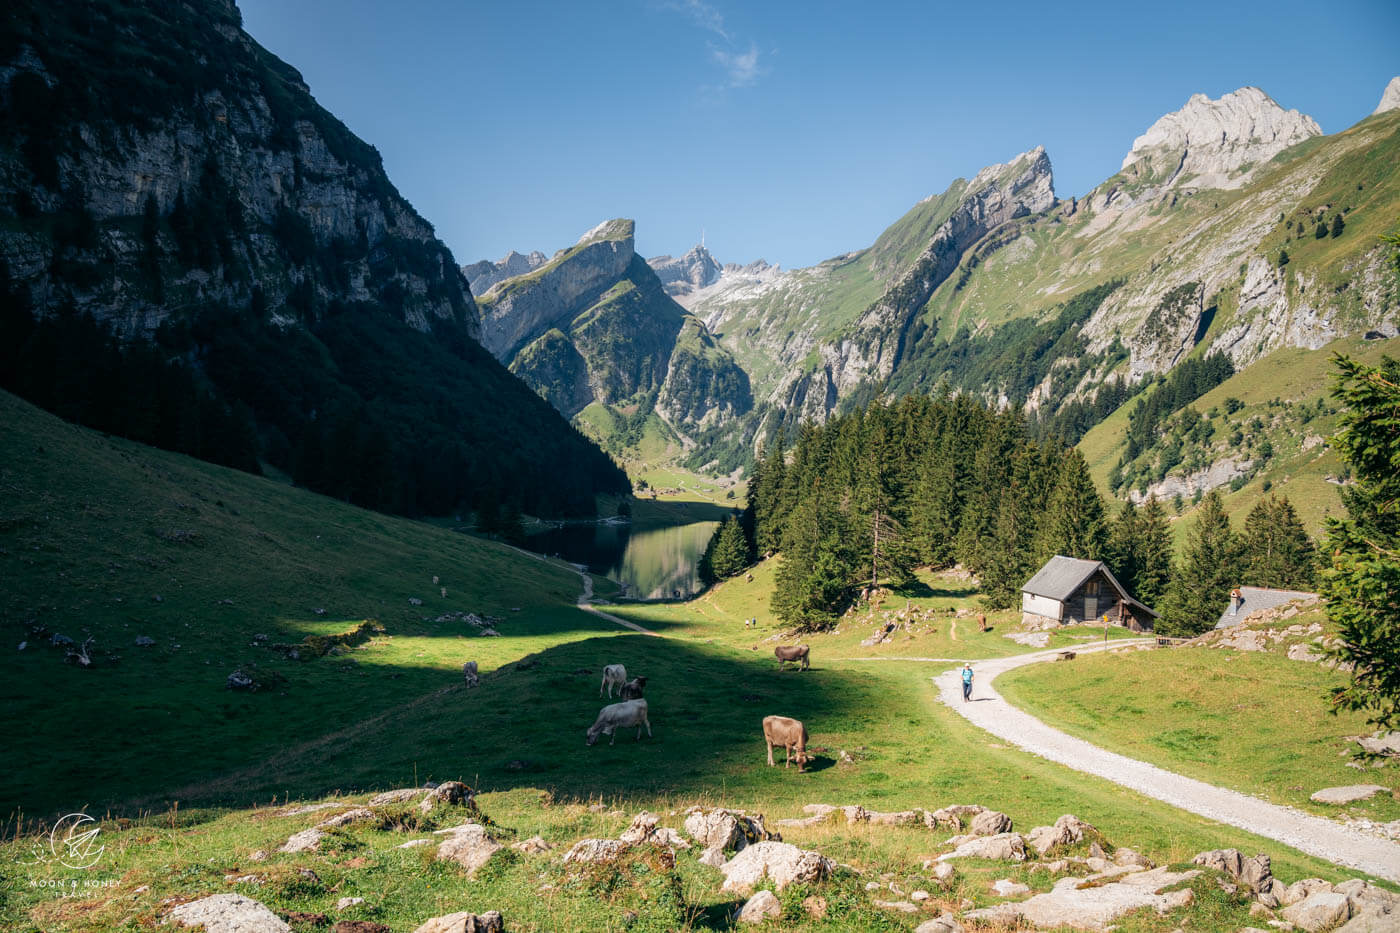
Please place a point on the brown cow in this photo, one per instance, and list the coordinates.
(791, 735)
(795, 653)
(632, 690)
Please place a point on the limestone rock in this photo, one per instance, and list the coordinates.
(357, 815)
(952, 817)
(1094, 906)
(1255, 872)
(470, 846)
(815, 905)
(712, 857)
(1067, 830)
(402, 795)
(1390, 97)
(1006, 846)
(347, 902)
(596, 850)
(448, 792)
(990, 823)
(535, 845)
(898, 818)
(781, 862)
(1125, 856)
(725, 829)
(683, 275)
(465, 922)
(944, 923)
(1349, 794)
(1320, 911)
(903, 907)
(227, 913)
(1212, 143)
(1005, 887)
(414, 843)
(304, 841)
(762, 906)
(1303, 652)
(1299, 890)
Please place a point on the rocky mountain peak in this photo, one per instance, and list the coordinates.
(684, 274)
(483, 275)
(1214, 143)
(617, 229)
(1027, 170)
(1390, 97)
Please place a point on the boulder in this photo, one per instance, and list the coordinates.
(1008, 888)
(401, 795)
(1303, 652)
(227, 913)
(468, 845)
(357, 815)
(448, 792)
(1381, 743)
(643, 825)
(762, 906)
(819, 809)
(143, 641)
(414, 843)
(725, 829)
(1255, 872)
(1067, 830)
(596, 850)
(944, 923)
(308, 840)
(464, 922)
(856, 814)
(712, 857)
(781, 862)
(1006, 846)
(1348, 794)
(943, 872)
(535, 845)
(899, 818)
(951, 817)
(348, 902)
(239, 681)
(990, 823)
(1125, 856)
(815, 905)
(1094, 906)
(1299, 890)
(1319, 911)
(903, 907)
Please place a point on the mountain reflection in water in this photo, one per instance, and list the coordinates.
(652, 563)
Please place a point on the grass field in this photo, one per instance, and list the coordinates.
(92, 530)
(1256, 722)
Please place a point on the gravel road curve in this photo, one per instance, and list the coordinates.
(1311, 834)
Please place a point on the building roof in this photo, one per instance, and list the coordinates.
(1061, 576)
(1257, 598)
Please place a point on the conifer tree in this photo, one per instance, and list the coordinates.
(731, 552)
(815, 574)
(1277, 550)
(1121, 550)
(1074, 523)
(1362, 585)
(1209, 569)
(1154, 555)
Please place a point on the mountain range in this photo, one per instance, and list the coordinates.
(1234, 227)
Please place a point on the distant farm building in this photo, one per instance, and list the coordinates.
(1067, 591)
(1245, 600)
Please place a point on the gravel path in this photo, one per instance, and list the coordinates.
(585, 599)
(1311, 834)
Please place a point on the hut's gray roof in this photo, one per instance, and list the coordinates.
(1061, 576)
(1256, 598)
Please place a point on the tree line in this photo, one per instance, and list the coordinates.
(867, 497)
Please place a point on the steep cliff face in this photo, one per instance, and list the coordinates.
(1390, 97)
(165, 179)
(684, 275)
(595, 325)
(484, 274)
(180, 164)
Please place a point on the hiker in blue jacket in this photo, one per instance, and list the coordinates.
(967, 681)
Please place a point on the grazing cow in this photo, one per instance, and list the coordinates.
(632, 690)
(796, 653)
(791, 735)
(614, 675)
(620, 716)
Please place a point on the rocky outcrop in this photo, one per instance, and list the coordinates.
(1090, 904)
(1390, 97)
(227, 913)
(1214, 143)
(780, 862)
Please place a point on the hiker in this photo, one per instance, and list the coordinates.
(967, 681)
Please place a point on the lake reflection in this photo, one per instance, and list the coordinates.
(655, 563)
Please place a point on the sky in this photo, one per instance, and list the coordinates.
(789, 131)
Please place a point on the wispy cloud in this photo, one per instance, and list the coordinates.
(742, 67)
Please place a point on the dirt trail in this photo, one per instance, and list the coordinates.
(585, 598)
(1314, 835)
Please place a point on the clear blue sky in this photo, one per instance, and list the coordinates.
(792, 131)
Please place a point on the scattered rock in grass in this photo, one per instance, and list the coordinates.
(1008, 888)
(1085, 904)
(815, 905)
(1380, 743)
(873, 886)
(952, 817)
(903, 907)
(259, 855)
(347, 902)
(1349, 794)
(142, 641)
(535, 845)
(464, 922)
(469, 674)
(898, 818)
(918, 897)
(414, 843)
(819, 809)
(596, 850)
(308, 840)
(1125, 856)
(725, 829)
(239, 681)
(781, 862)
(944, 923)
(943, 872)
(855, 814)
(235, 878)
(1005, 846)
(357, 815)
(1320, 911)
(1255, 872)
(1299, 890)
(1260, 912)
(468, 845)
(1303, 652)
(448, 792)
(1067, 830)
(804, 821)
(762, 906)
(712, 857)
(402, 795)
(990, 823)
(227, 913)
